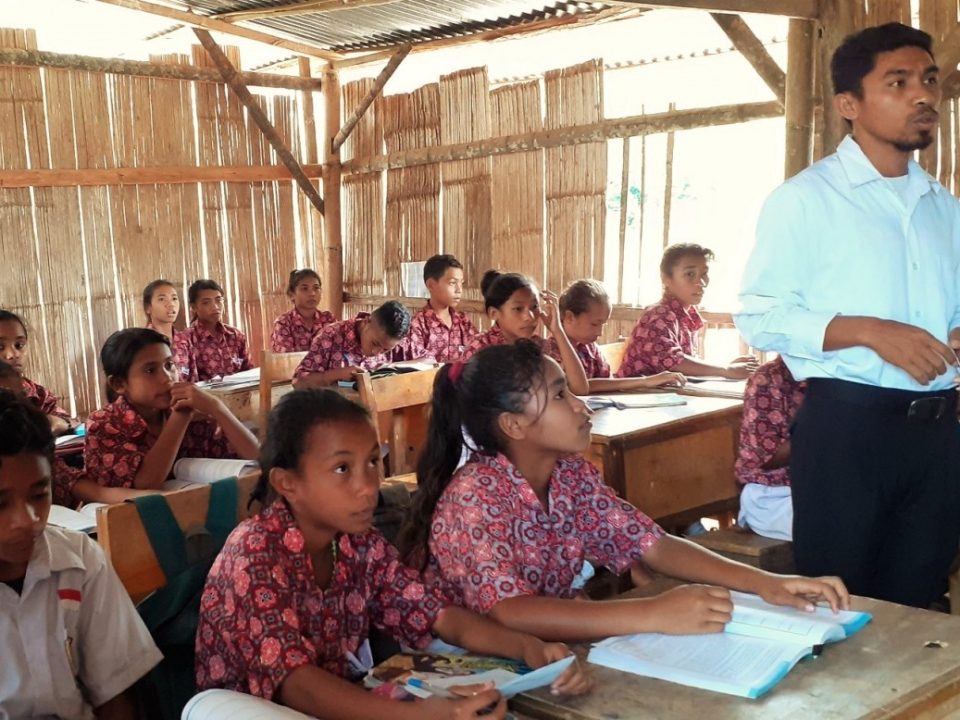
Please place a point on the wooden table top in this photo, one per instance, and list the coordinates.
(884, 671)
(610, 423)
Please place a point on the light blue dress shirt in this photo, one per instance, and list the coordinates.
(839, 239)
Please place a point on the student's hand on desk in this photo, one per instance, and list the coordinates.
(694, 609)
(487, 704)
(912, 349)
(347, 373)
(741, 368)
(804, 593)
(572, 681)
(667, 379)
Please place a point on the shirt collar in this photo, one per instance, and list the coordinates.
(202, 331)
(50, 557)
(502, 464)
(690, 314)
(860, 171)
(122, 407)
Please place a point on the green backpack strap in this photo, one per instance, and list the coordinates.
(222, 511)
(164, 533)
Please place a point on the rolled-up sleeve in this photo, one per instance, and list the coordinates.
(773, 314)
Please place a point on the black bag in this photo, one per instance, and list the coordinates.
(171, 613)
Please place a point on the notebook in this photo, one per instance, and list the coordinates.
(224, 704)
(715, 387)
(193, 471)
(626, 401)
(757, 649)
(83, 520)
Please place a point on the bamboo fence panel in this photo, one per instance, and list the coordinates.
(369, 264)
(467, 210)
(518, 183)
(576, 177)
(413, 194)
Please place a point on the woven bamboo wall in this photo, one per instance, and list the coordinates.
(78, 257)
(942, 159)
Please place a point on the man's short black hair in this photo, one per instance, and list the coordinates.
(394, 318)
(857, 56)
(435, 267)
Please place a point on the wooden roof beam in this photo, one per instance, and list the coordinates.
(389, 69)
(207, 23)
(607, 129)
(69, 177)
(232, 78)
(808, 9)
(304, 7)
(749, 45)
(37, 58)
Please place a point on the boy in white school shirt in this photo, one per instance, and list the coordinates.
(71, 641)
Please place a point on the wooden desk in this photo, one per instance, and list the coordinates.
(674, 463)
(243, 399)
(882, 672)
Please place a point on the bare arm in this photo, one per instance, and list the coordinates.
(121, 707)
(667, 380)
(910, 348)
(157, 463)
(58, 425)
(569, 360)
(781, 458)
(325, 378)
(693, 367)
(89, 491)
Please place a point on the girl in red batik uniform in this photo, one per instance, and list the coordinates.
(152, 420)
(291, 598)
(511, 530)
(295, 329)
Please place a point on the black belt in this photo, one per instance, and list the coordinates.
(916, 406)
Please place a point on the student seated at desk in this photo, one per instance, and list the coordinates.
(295, 329)
(13, 350)
(584, 310)
(208, 348)
(72, 642)
(152, 420)
(161, 304)
(511, 529)
(352, 346)
(665, 335)
(770, 402)
(513, 304)
(291, 599)
(439, 331)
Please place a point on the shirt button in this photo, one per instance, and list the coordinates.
(916, 266)
(916, 314)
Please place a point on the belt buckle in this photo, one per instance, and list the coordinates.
(928, 409)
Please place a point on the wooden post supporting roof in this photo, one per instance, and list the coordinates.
(232, 79)
(837, 21)
(207, 23)
(39, 58)
(333, 244)
(752, 49)
(799, 105)
(382, 78)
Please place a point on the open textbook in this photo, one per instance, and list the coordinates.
(715, 387)
(193, 471)
(82, 520)
(755, 652)
(230, 705)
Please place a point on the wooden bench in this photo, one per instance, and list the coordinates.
(749, 548)
(613, 353)
(275, 369)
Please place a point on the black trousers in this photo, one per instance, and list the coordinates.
(876, 489)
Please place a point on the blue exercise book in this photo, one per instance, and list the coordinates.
(758, 647)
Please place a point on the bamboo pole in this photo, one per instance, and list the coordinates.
(298, 8)
(642, 204)
(39, 58)
(749, 45)
(809, 9)
(624, 198)
(207, 23)
(572, 135)
(799, 106)
(92, 177)
(836, 22)
(259, 117)
(367, 101)
(333, 246)
(668, 185)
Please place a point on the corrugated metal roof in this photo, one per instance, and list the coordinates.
(395, 23)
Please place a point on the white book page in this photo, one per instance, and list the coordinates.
(754, 616)
(720, 662)
(208, 470)
(229, 705)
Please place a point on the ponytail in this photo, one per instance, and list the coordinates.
(498, 379)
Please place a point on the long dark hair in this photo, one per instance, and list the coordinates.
(8, 316)
(498, 379)
(497, 287)
(288, 426)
